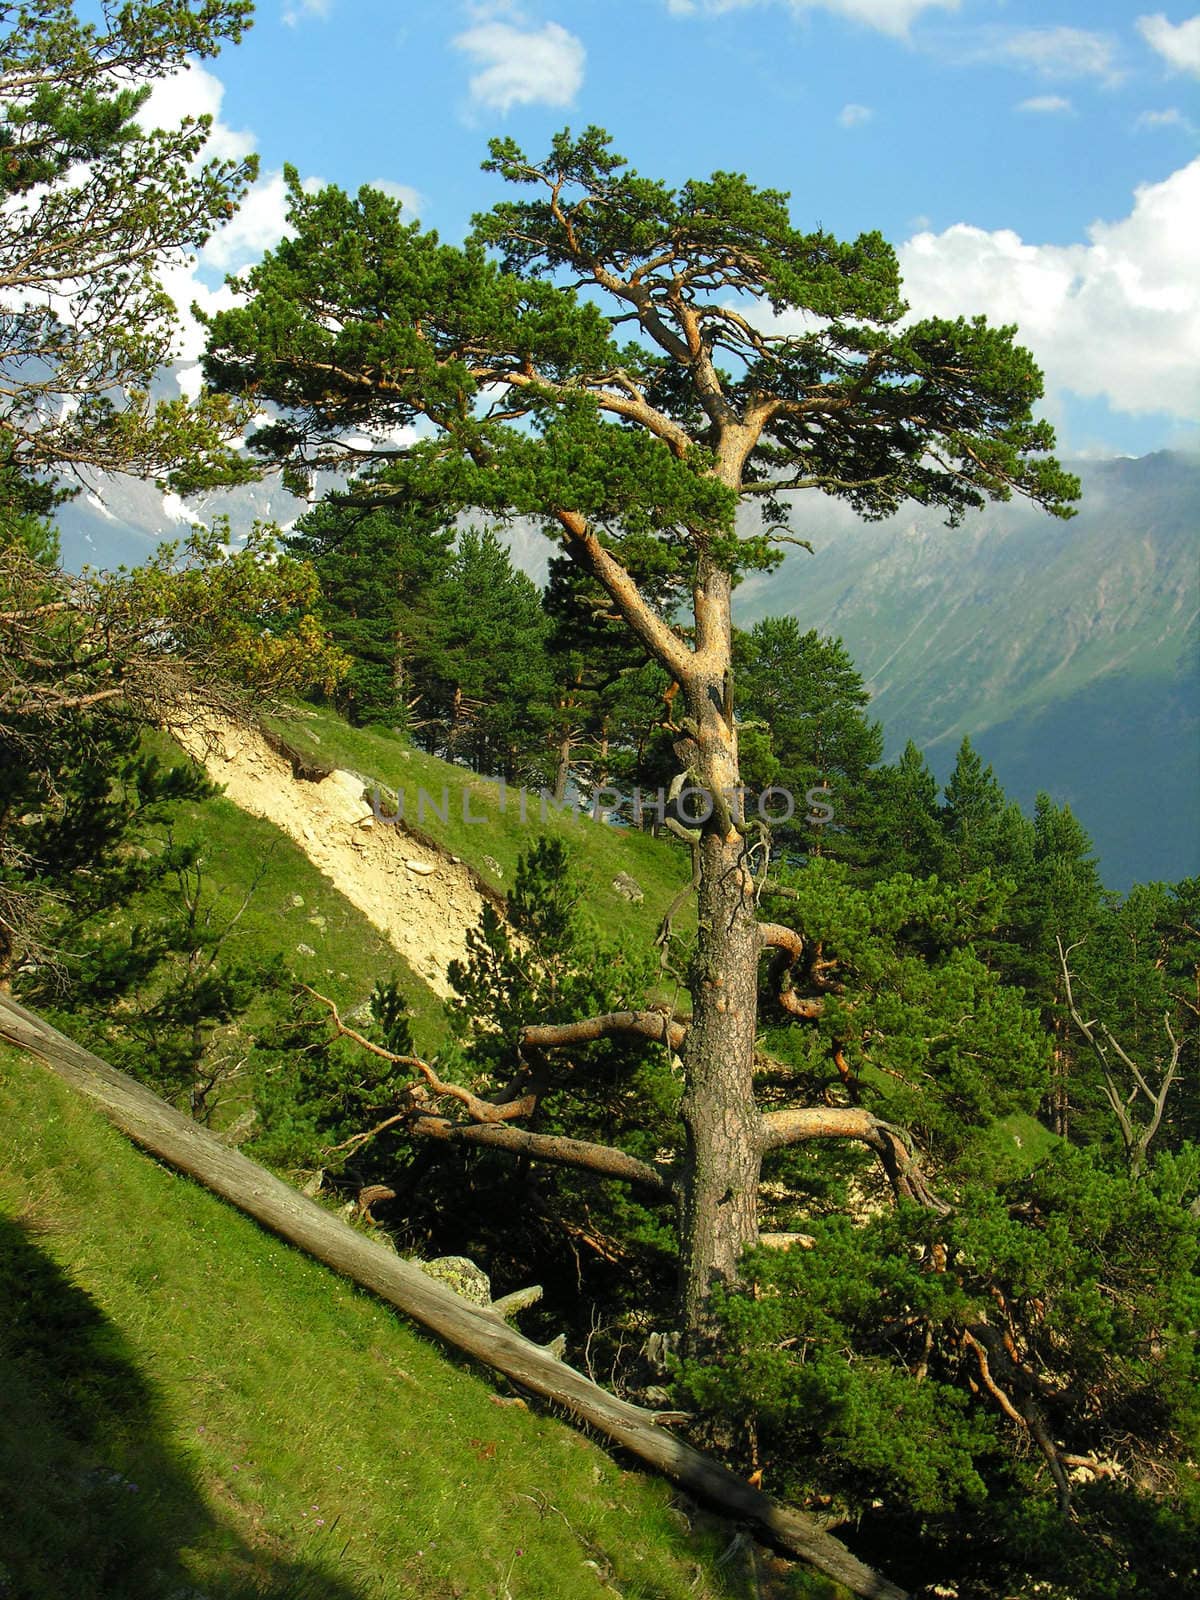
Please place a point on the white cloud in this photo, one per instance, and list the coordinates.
(1059, 52)
(889, 16)
(258, 225)
(1045, 105)
(411, 199)
(1117, 316)
(259, 222)
(522, 65)
(296, 12)
(853, 116)
(1178, 44)
(192, 92)
(1172, 117)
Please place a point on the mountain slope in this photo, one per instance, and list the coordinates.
(1067, 651)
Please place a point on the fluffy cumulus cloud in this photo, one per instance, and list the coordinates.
(889, 16)
(411, 199)
(1116, 317)
(193, 92)
(1177, 43)
(522, 65)
(853, 116)
(258, 224)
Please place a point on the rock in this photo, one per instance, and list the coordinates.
(628, 888)
(461, 1275)
(367, 822)
(240, 1130)
(305, 950)
(318, 921)
(493, 866)
(657, 1350)
(423, 868)
(297, 900)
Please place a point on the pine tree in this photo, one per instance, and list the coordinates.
(903, 821)
(806, 693)
(377, 569)
(94, 207)
(609, 705)
(981, 828)
(578, 361)
(486, 691)
(1059, 898)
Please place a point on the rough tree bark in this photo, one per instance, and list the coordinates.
(722, 1150)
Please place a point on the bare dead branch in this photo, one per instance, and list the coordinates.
(604, 1160)
(481, 1110)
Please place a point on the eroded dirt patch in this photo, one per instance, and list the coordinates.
(420, 899)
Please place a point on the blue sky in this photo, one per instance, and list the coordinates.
(1040, 163)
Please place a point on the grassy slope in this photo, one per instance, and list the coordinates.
(193, 1409)
(248, 862)
(659, 865)
(242, 852)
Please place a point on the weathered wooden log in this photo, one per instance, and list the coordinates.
(476, 1331)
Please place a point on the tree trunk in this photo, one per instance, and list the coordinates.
(477, 1331)
(722, 1150)
(723, 1131)
(562, 770)
(399, 644)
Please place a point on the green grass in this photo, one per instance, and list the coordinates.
(249, 860)
(1016, 1144)
(191, 1408)
(242, 853)
(660, 865)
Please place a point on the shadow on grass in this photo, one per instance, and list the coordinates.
(93, 1500)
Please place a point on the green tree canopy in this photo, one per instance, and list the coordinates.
(378, 568)
(95, 206)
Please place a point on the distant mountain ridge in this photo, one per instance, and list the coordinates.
(1069, 652)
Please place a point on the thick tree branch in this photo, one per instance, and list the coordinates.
(659, 638)
(988, 1346)
(484, 1111)
(646, 1024)
(792, 948)
(801, 1123)
(603, 1160)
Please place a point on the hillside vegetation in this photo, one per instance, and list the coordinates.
(192, 1408)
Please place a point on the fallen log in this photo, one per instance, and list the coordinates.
(474, 1330)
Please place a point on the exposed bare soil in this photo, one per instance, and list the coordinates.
(419, 898)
